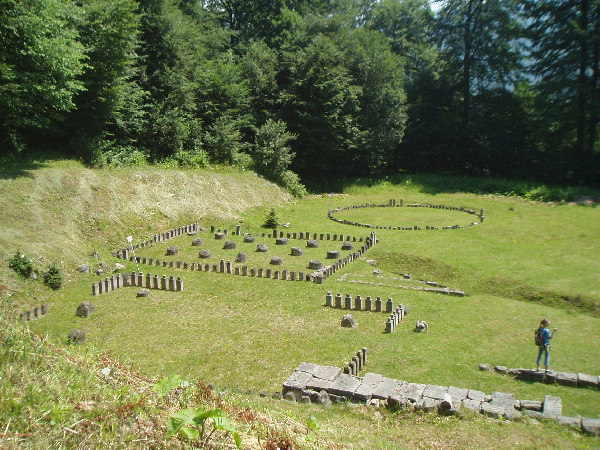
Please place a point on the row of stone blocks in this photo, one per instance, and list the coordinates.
(358, 304)
(36, 312)
(580, 380)
(147, 281)
(312, 381)
(357, 363)
(392, 202)
(395, 318)
(318, 276)
(191, 229)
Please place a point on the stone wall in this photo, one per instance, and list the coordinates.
(312, 382)
(140, 279)
(35, 313)
(393, 203)
(318, 276)
(580, 380)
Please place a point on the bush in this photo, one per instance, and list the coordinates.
(272, 220)
(22, 264)
(53, 278)
(291, 182)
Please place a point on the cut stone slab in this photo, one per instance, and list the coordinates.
(492, 410)
(398, 401)
(368, 385)
(584, 380)
(318, 384)
(297, 382)
(387, 387)
(538, 415)
(458, 394)
(307, 367)
(532, 405)
(344, 385)
(76, 336)
(474, 405)
(327, 372)
(435, 392)
(566, 378)
(476, 395)
(591, 426)
(552, 405)
(574, 422)
(427, 404)
(414, 391)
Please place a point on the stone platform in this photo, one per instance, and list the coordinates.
(324, 384)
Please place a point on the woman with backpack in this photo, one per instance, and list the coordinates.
(542, 339)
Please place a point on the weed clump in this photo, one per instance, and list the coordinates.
(53, 278)
(22, 264)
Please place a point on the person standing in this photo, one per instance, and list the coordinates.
(544, 343)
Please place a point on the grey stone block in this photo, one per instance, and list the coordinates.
(574, 422)
(308, 367)
(297, 382)
(591, 426)
(539, 415)
(435, 392)
(532, 405)
(414, 391)
(501, 369)
(474, 405)
(584, 380)
(398, 401)
(387, 387)
(318, 384)
(522, 374)
(427, 404)
(458, 394)
(344, 385)
(552, 405)
(327, 372)
(493, 411)
(538, 376)
(476, 395)
(566, 378)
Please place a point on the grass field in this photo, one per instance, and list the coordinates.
(526, 261)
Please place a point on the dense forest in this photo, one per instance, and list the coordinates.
(307, 88)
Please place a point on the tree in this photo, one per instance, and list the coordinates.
(40, 65)
(565, 50)
(110, 111)
(272, 155)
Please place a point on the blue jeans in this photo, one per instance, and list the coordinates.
(544, 349)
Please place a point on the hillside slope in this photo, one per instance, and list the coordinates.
(66, 206)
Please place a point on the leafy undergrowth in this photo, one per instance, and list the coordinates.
(53, 394)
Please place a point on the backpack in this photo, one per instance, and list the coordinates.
(539, 337)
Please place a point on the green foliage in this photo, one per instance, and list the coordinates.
(53, 277)
(40, 66)
(272, 219)
(272, 154)
(190, 424)
(109, 154)
(22, 264)
(163, 386)
(223, 141)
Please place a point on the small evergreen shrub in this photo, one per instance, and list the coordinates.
(272, 220)
(22, 264)
(53, 278)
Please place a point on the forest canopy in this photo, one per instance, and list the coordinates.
(307, 88)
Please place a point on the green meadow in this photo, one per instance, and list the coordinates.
(526, 261)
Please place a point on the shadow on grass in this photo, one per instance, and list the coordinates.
(13, 167)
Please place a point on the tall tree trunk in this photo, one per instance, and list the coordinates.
(468, 47)
(582, 91)
(593, 123)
